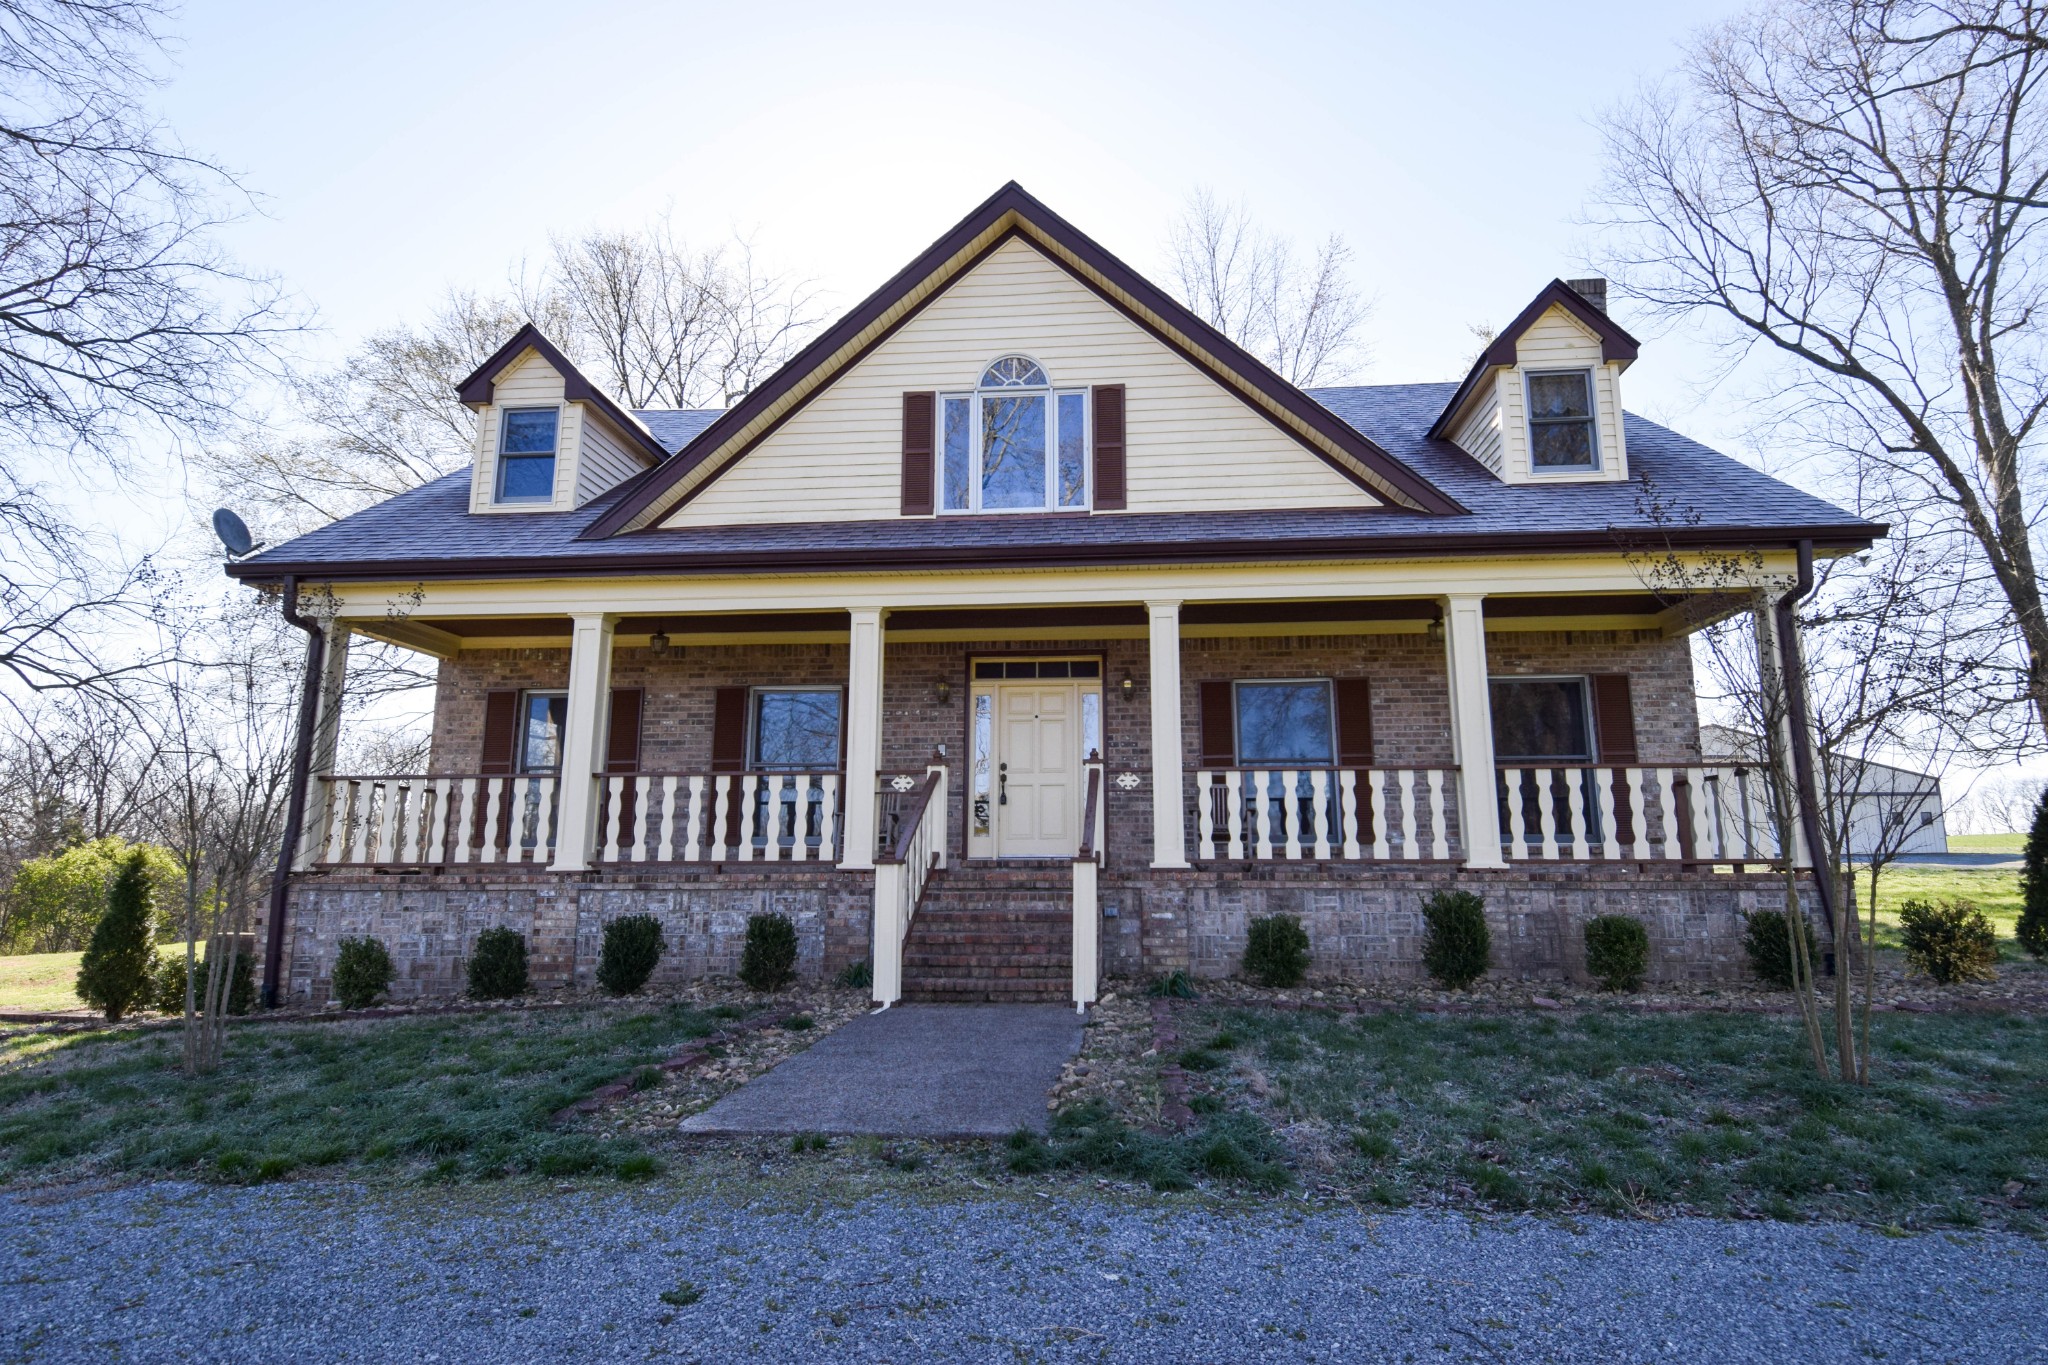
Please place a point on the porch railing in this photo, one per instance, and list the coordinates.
(1262, 814)
(401, 821)
(718, 817)
(1581, 812)
(918, 845)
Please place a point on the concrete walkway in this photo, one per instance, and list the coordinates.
(913, 1071)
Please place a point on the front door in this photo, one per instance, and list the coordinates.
(1034, 723)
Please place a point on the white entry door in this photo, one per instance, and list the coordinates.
(1038, 770)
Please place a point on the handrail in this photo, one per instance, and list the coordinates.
(1088, 811)
(912, 816)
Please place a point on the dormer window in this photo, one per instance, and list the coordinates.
(1015, 444)
(1561, 422)
(526, 455)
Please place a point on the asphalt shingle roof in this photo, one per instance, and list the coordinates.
(430, 531)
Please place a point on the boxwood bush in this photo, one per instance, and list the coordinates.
(632, 945)
(1617, 951)
(1950, 940)
(362, 972)
(1769, 949)
(167, 991)
(497, 969)
(1276, 951)
(1457, 947)
(768, 961)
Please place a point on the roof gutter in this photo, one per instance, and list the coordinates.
(295, 799)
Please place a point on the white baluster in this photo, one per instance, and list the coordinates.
(750, 816)
(405, 834)
(1260, 797)
(1575, 804)
(1610, 823)
(720, 824)
(1290, 813)
(465, 827)
(1518, 823)
(1405, 777)
(1376, 786)
(341, 811)
(693, 828)
(1233, 807)
(1638, 809)
(1205, 814)
(614, 789)
(1347, 784)
(544, 830)
(828, 823)
(524, 796)
(642, 788)
(1546, 814)
(1319, 811)
(1703, 842)
(775, 817)
(1439, 827)
(366, 801)
(667, 851)
(1667, 807)
(437, 831)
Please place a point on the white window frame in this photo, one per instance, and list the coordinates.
(754, 694)
(1555, 471)
(1329, 686)
(526, 697)
(498, 496)
(1585, 682)
(1052, 393)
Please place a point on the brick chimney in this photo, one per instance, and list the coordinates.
(1594, 291)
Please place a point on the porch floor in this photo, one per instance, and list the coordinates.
(938, 1071)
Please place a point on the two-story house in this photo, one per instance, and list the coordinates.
(1022, 628)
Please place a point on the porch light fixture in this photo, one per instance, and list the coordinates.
(657, 644)
(944, 693)
(1129, 687)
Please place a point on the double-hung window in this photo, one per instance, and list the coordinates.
(1561, 435)
(1014, 444)
(1545, 723)
(542, 718)
(526, 455)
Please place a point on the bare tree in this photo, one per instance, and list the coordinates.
(1856, 187)
(1303, 317)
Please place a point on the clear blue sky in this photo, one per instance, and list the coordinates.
(405, 147)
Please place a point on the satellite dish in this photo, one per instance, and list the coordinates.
(233, 532)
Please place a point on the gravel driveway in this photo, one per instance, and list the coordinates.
(334, 1272)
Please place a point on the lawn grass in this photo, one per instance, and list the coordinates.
(1995, 890)
(1629, 1113)
(2014, 843)
(47, 981)
(463, 1096)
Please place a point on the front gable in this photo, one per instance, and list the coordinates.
(1191, 445)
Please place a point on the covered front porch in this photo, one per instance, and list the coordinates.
(1137, 749)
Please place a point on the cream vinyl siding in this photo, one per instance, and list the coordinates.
(1559, 341)
(604, 460)
(1478, 435)
(1190, 446)
(528, 382)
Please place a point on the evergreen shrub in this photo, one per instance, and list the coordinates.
(1276, 951)
(632, 946)
(1617, 951)
(115, 974)
(362, 972)
(497, 969)
(1457, 947)
(768, 960)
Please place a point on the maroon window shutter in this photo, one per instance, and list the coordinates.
(1219, 725)
(919, 452)
(1354, 722)
(729, 731)
(1109, 447)
(501, 732)
(1614, 718)
(622, 756)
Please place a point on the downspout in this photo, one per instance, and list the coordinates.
(295, 800)
(1791, 665)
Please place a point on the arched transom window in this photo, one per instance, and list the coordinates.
(1015, 444)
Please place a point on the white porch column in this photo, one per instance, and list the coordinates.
(1472, 729)
(590, 687)
(1169, 836)
(863, 736)
(326, 739)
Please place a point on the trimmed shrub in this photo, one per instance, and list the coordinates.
(497, 969)
(115, 975)
(1769, 947)
(1950, 940)
(167, 988)
(362, 972)
(2032, 930)
(1276, 951)
(632, 945)
(768, 961)
(1457, 947)
(1617, 951)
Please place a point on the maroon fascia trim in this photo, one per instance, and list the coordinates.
(1013, 198)
(478, 389)
(1615, 344)
(638, 560)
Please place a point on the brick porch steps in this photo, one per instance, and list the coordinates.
(987, 934)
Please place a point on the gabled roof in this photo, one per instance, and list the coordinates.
(476, 391)
(1615, 344)
(1011, 212)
